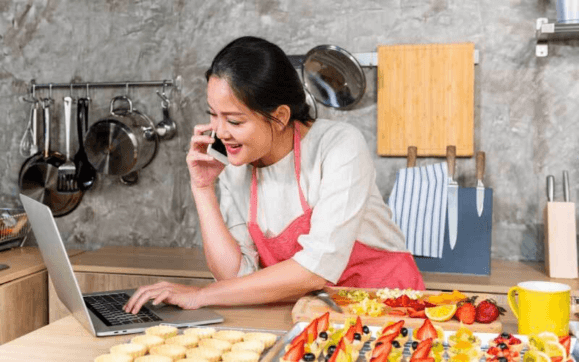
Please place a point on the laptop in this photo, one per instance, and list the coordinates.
(100, 313)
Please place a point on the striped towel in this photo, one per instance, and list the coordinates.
(419, 204)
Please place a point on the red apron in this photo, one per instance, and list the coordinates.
(367, 267)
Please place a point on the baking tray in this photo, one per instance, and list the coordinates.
(277, 351)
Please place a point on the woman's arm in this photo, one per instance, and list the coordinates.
(275, 283)
(222, 252)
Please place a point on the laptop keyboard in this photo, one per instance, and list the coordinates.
(109, 309)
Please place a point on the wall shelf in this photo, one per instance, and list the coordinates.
(547, 30)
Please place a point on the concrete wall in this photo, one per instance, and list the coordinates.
(526, 108)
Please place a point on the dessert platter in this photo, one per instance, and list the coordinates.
(320, 340)
(165, 343)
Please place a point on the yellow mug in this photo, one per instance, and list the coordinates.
(541, 306)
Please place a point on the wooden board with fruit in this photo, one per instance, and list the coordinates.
(378, 306)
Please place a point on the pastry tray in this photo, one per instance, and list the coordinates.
(277, 351)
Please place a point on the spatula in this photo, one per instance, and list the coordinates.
(67, 171)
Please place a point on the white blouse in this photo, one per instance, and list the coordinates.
(338, 180)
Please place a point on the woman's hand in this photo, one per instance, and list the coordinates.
(203, 169)
(184, 296)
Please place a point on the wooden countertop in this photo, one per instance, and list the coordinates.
(23, 261)
(190, 262)
(66, 340)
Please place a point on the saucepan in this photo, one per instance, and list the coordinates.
(122, 143)
(38, 176)
(333, 76)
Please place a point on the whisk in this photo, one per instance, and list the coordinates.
(28, 146)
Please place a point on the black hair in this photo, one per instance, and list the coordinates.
(262, 77)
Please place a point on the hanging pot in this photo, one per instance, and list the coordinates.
(122, 143)
(38, 176)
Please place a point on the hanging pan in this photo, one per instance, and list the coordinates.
(333, 76)
(38, 176)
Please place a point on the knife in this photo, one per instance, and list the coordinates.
(452, 197)
(550, 188)
(480, 189)
(566, 187)
(325, 297)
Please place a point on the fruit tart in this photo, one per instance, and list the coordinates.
(423, 352)
(428, 330)
(464, 347)
(556, 348)
(402, 333)
(435, 349)
(509, 339)
(384, 352)
(494, 353)
(340, 352)
(463, 334)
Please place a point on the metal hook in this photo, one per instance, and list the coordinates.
(164, 99)
(127, 90)
(88, 93)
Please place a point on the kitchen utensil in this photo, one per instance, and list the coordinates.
(333, 76)
(67, 171)
(550, 188)
(325, 297)
(86, 174)
(122, 143)
(566, 187)
(541, 306)
(28, 144)
(480, 189)
(452, 197)
(166, 129)
(425, 98)
(38, 175)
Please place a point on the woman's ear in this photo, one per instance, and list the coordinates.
(282, 113)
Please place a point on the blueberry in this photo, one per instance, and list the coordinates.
(404, 332)
(309, 357)
(331, 349)
(502, 346)
(502, 359)
(414, 344)
(366, 330)
(323, 335)
(396, 344)
(357, 336)
(505, 335)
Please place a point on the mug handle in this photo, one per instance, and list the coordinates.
(512, 300)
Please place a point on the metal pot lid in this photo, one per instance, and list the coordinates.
(333, 76)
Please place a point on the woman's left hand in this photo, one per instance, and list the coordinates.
(184, 296)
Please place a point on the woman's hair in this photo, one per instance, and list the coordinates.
(261, 76)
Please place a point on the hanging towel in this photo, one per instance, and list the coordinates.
(419, 205)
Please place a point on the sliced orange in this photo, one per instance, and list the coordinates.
(441, 313)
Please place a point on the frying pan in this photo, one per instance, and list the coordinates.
(38, 176)
(333, 76)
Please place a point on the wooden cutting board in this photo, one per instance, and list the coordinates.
(308, 307)
(425, 99)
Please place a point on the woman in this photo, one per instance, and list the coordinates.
(299, 206)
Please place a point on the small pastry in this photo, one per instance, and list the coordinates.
(148, 340)
(185, 340)
(428, 330)
(464, 334)
(174, 351)
(162, 331)
(201, 332)
(132, 349)
(251, 345)
(229, 336)
(509, 339)
(240, 356)
(206, 353)
(465, 347)
(154, 358)
(222, 346)
(402, 333)
(267, 338)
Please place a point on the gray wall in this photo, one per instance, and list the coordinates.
(526, 108)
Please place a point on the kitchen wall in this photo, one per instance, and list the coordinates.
(526, 108)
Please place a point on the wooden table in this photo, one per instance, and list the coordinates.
(66, 340)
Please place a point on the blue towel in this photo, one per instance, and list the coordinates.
(419, 205)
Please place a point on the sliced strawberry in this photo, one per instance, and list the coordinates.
(312, 331)
(391, 302)
(323, 322)
(426, 359)
(395, 327)
(427, 330)
(380, 358)
(300, 339)
(358, 327)
(397, 312)
(349, 335)
(413, 313)
(295, 353)
(403, 300)
(557, 359)
(381, 348)
(566, 341)
(387, 338)
(423, 349)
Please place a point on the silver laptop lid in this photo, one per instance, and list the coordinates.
(56, 259)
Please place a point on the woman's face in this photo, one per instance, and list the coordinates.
(246, 134)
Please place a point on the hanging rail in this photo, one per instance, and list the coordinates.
(146, 83)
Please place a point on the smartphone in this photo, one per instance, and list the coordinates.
(217, 150)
